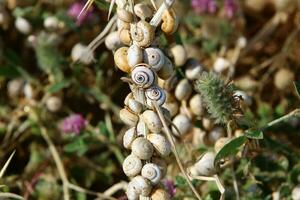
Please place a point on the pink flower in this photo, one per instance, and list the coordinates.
(75, 9)
(201, 6)
(170, 187)
(230, 7)
(73, 124)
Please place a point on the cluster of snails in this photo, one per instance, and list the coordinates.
(137, 52)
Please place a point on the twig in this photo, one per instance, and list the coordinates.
(10, 195)
(6, 164)
(114, 188)
(294, 113)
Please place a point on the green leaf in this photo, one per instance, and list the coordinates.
(254, 134)
(231, 148)
(77, 146)
(297, 87)
(58, 86)
(9, 72)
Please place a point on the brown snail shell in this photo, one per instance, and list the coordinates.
(120, 58)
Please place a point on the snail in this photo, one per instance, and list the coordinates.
(129, 137)
(195, 104)
(152, 121)
(205, 165)
(14, 87)
(23, 25)
(128, 117)
(54, 103)
(220, 143)
(129, 96)
(143, 11)
(124, 15)
(142, 129)
(125, 37)
(179, 54)
(170, 22)
(154, 57)
(81, 53)
(172, 107)
(160, 194)
(134, 55)
(215, 134)
(135, 106)
(120, 58)
(142, 33)
(142, 148)
(112, 41)
(122, 25)
(193, 69)
(221, 64)
(132, 165)
(51, 23)
(151, 172)
(183, 90)
(167, 69)
(142, 76)
(283, 79)
(160, 143)
(140, 186)
(183, 123)
(155, 93)
(161, 163)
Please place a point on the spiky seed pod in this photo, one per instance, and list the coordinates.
(217, 96)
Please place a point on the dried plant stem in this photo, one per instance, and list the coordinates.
(170, 138)
(6, 164)
(10, 195)
(114, 188)
(294, 113)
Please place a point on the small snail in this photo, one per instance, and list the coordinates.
(160, 143)
(142, 33)
(23, 25)
(296, 193)
(142, 76)
(134, 55)
(54, 103)
(132, 165)
(125, 37)
(205, 165)
(220, 143)
(155, 93)
(195, 104)
(183, 123)
(123, 25)
(129, 137)
(221, 64)
(154, 57)
(215, 134)
(170, 22)
(112, 41)
(140, 185)
(128, 117)
(183, 90)
(143, 11)
(152, 121)
(14, 87)
(51, 23)
(135, 106)
(167, 69)
(120, 58)
(129, 96)
(172, 107)
(160, 194)
(124, 15)
(142, 148)
(161, 163)
(151, 172)
(193, 69)
(180, 55)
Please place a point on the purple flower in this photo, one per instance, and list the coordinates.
(73, 124)
(170, 187)
(201, 6)
(230, 7)
(75, 9)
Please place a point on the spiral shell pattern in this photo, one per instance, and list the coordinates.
(154, 57)
(142, 148)
(155, 94)
(132, 165)
(151, 172)
(142, 33)
(142, 76)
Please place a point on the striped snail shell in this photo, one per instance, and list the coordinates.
(142, 33)
(142, 76)
(132, 165)
(155, 94)
(134, 55)
(152, 172)
(154, 57)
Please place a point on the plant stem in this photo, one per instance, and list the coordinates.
(294, 113)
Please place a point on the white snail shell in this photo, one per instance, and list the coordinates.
(183, 124)
(215, 134)
(221, 64)
(143, 11)
(205, 166)
(160, 194)
(112, 41)
(142, 129)
(155, 93)
(196, 105)
(183, 90)
(152, 172)
(142, 148)
(132, 165)
(51, 23)
(152, 121)
(131, 193)
(129, 137)
(140, 185)
(154, 57)
(122, 25)
(120, 58)
(142, 33)
(134, 55)
(128, 117)
(143, 76)
(220, 143)
(124, 15)
(167, 69)
(172, 107)
(180, 55)
(14, 87)
(135, 106)
(23, 25)
(129, 96)
(170, 22)
(296, 193)
(161, 163)
(160, 143)
(54, 103)
(124, 35)
(193, 69)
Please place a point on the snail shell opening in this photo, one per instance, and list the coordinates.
(142, 76)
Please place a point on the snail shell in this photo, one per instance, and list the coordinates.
(160, 194)
(152, 121)
(143, 11)
(155, 93)
(172, 107)
(170, 22)
(128, 117)
(142, 33)
(152, 172)
(221, 64)
(161, 163)
(167, 69)
(112, 41)
(131, 193)
(215, 134)
(220, 143)
(129, 137)
(120, 58)
(183, 124)
(142, 76)
(154, 57)
(132, 165)
(160, 143)
(125, 37)
(140, 185)
(134, 55)
(193, 69)
(205, 166)
(142, 148)
(54, 103)
(196, 105)
(23, 25)
(142, 129)
(283, 78)
(122, 25)
(183, 90)
(180, 55)
(135, 106)
(129, 96)
(124, 15)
